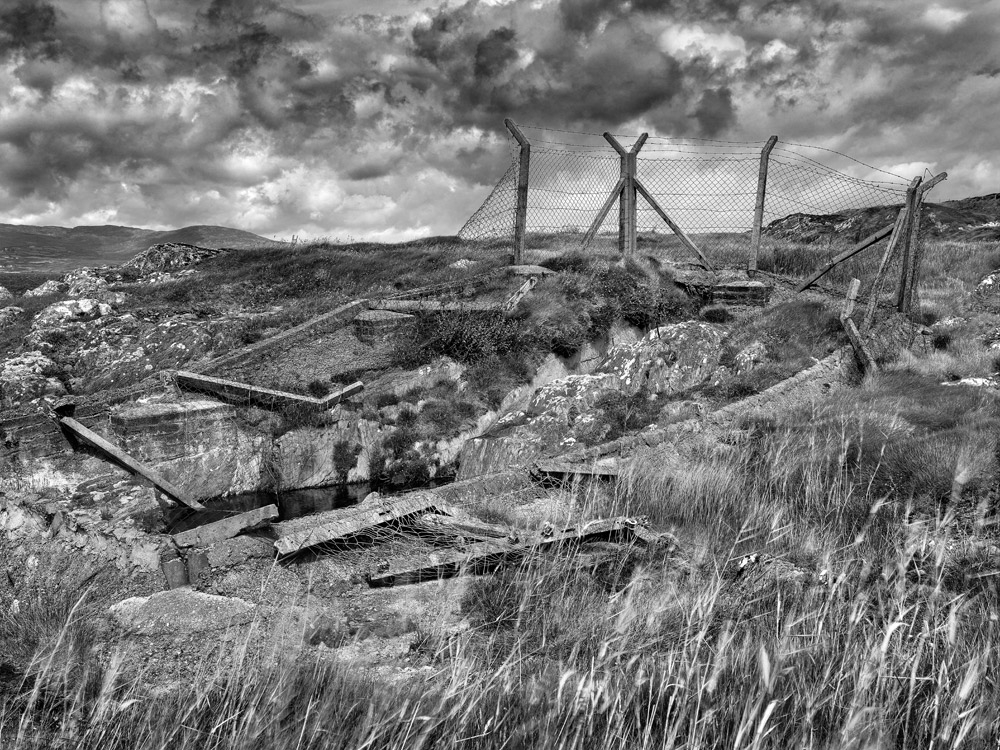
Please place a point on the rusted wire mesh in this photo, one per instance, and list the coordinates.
(815, 197)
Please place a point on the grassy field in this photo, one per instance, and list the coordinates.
(837, 582)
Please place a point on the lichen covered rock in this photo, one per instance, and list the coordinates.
(28, 376)
(70, 311)
(168, 256)
(49, 287)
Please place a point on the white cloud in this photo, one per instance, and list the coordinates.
(943, 18)
(687, 42)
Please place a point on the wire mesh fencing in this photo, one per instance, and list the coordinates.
(816, 203)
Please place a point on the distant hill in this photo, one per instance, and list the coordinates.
(970, 219)
(31, 248)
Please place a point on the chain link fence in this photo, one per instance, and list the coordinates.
(817, 202)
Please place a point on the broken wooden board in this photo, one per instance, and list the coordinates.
(339, 525)
(123, 459)
(446, 529)
(210, 533)
(268, 398)
(585, 469)
(486, 556)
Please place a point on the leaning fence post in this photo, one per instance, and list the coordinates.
(908, 292)
(898, 231)
(521, 213)
(758, 212)
(913, 197)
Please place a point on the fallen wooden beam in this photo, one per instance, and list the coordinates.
(569, 467)
(127, 462)
(447, 529)
(520, 294)
(337, 526)
(863, 245)
(210, 533)
(243, 393)
(486, 556)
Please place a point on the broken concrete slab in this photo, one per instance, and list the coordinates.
(123, 459)
(180, 611)
(339, 525)
(202, 536)
(267, 398)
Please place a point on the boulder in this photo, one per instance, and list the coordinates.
(26, 377)
(5, 293)
(749, 357)
(180, 611)
(83, 282)
(49, 287)
(70, 311)
(168, 257)
(986, 295)
(9, 314)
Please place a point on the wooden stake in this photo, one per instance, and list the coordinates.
(758, 212)
(521, 212)
(641, 189)
(864, 356)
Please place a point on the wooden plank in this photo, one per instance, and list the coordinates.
(912, 203)
(485, 556)
(448, 530)
(918, 249)
(673, 226)
(210, 533)
(123, 459)
(569, 467)
(523, 167)
(863, 245)
(603, 213)
(338, 525)
(758, 211)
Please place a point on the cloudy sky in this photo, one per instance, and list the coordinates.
(384, 120)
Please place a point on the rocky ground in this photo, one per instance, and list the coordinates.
(671, 393)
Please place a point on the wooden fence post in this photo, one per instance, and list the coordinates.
(521, 213)
(627, 237)
(898, 230)
(908, 297)
(912, 216)
(758, 212)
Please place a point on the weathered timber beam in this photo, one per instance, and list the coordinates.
(332, 399)
(863, 245)
(568, 467)
(486, 556)
(123, 459)
(339, 525)
(641, 189)
(210, 533)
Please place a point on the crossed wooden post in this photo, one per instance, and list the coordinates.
(626, 192)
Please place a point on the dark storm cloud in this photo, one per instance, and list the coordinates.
(309, 111)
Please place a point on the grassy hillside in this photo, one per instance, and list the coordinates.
(60, 249)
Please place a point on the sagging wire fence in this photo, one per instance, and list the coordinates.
(720, 203)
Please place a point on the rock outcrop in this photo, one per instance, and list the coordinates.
(5, 293)
(168, 257)
(28, 376)
(667, 360)
(180, 611)
(49, 287)
(9, 314)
